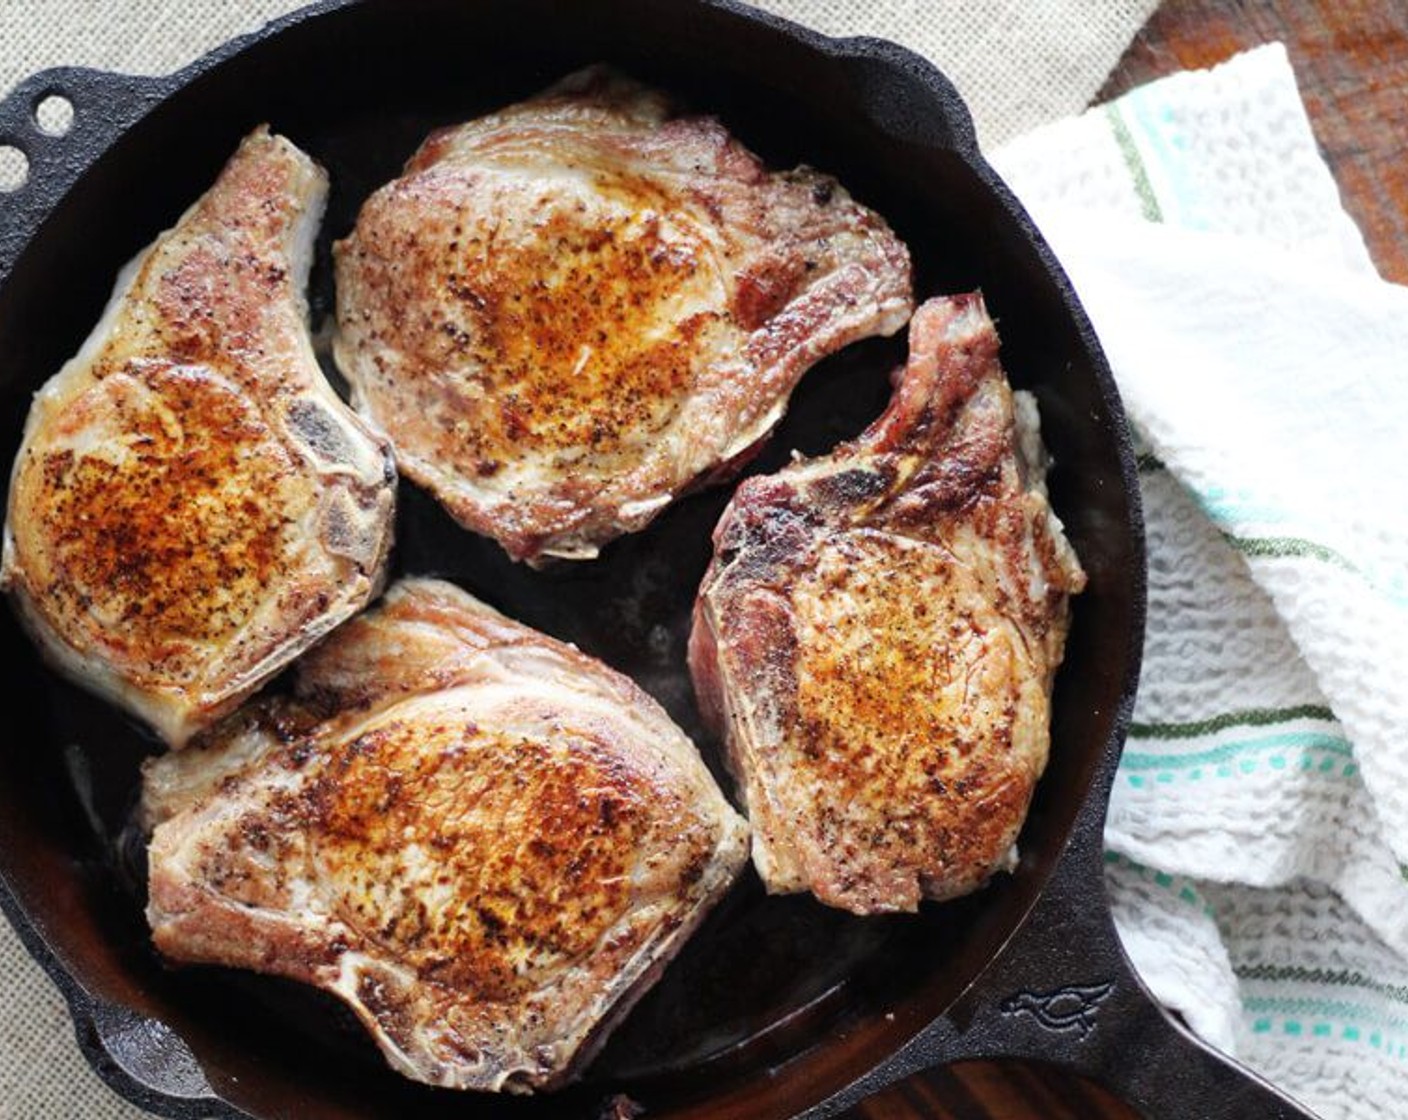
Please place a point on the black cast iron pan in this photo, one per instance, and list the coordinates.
(779, 1007)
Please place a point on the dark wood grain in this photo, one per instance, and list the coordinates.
(1351, 60)
(994, 1091)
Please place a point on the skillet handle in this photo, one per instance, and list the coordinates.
(145, 1061)
(104, 106)
(1062, 991)
(141, 1059)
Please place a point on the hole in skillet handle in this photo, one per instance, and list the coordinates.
(14, 168)
(53, 114)
(53, 126)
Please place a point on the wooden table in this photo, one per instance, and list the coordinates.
(1351, 59)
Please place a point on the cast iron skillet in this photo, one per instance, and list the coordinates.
(779, 1007)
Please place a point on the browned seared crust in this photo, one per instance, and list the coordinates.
(485, 842)
(192, 505)
(569, 311)
(877, 636)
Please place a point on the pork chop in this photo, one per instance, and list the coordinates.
(878, 632)
(192, 505)
(568, 312)
(487, 843)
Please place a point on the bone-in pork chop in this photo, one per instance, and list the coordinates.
(570, 311)
(192, 505)
(487, 843)
(877, 635)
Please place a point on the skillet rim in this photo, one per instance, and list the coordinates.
(97, 1023)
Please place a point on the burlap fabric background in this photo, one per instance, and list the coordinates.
(1018, 63)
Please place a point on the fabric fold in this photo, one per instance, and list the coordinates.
(1261, 360)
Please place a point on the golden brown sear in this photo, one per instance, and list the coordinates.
(877, 635)
(569, 311)
(485, 842)
(192, 505)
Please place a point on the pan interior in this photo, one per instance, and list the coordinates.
(776, 1000)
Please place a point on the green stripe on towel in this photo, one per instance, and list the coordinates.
(1289, 547)
(1300, 1006)
(1251, 717)
(1339, 977)
(1226, 752)
(1138, 173)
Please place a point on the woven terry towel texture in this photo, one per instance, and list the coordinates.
(1018, 63)
(1258, 829)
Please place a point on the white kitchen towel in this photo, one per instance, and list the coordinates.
(1018, 64)
(1258, 830)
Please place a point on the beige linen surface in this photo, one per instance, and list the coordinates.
(1018, 63)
